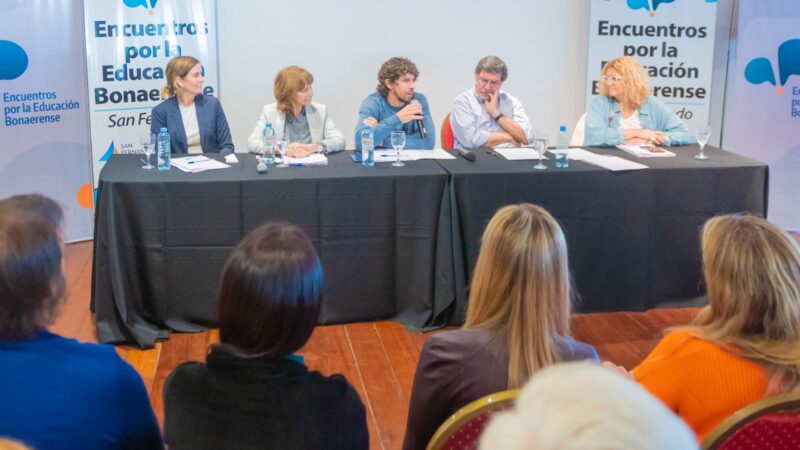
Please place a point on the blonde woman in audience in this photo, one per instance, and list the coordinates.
(581, 406)
(296, 118)
(626, 113)
(517, 322)
(743, 346)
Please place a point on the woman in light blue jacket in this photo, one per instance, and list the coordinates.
(625, 113)
(294, 117)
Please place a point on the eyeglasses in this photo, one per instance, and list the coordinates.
(612, 78)
(489, 82)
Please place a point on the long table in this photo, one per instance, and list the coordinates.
(633, 236)
(402, 243)
(162, 239)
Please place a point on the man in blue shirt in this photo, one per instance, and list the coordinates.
(396, 106)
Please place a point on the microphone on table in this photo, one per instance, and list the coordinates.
(423, 133)
(466, 154)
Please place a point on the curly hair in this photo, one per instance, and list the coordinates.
(637, 83)
(392, 70)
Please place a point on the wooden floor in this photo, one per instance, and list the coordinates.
(378, 358)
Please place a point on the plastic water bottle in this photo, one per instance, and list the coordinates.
(562, 148)
(367, 147)
(269, 143)
(163, 150)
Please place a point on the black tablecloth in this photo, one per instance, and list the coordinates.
(633, 236)
(162, 238)
(402, 243)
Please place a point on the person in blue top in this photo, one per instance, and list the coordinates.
(393, 107)
(625, 113)
(195, 120)
(57, 393)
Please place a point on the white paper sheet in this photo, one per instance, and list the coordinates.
(198, 163)
(436, 153)
(519, 154)
(646, 151)
(314, 159)
(610, 162)
(388, 155)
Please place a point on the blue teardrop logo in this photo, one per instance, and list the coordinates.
(13, 60)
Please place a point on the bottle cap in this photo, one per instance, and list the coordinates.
(563, 128)
(163, 128)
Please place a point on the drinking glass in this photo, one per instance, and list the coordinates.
(541, 147)
(283, 144)
(703, 134)
(398, 142)
(148, 142)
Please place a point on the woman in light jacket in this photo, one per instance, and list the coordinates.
(626, 113)
(294, 117)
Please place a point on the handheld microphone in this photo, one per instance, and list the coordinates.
(423, 133)
(466, 154)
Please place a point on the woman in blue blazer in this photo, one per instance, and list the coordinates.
(196, 122)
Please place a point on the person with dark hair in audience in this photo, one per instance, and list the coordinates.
(57, 393)
(743, 346)
(253, 390)
(517, 322)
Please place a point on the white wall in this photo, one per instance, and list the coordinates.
(343, 43)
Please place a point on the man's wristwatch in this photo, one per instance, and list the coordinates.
(499, 116)
(320, 147)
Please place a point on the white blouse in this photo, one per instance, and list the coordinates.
(189, 117)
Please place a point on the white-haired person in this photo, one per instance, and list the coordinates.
(517, 322)
(626, 113)
(582, 406)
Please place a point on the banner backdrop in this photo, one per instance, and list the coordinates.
(762, 105)
(673, 39)
(44, 139)
(128, 45)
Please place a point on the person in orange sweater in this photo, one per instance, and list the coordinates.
(743, 346)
